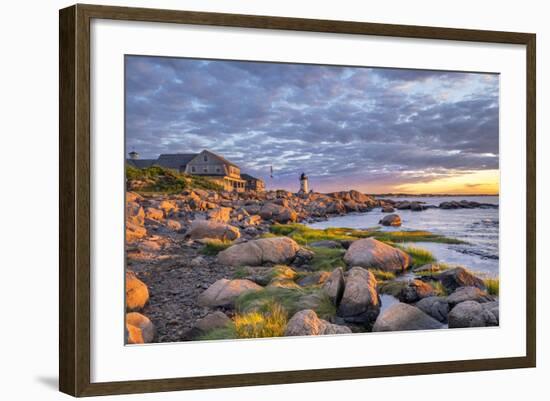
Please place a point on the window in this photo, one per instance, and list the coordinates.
(205, 158)
(218, 170)
(193, 169)
(205, 170)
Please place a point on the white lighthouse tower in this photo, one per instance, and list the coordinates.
(304, 186)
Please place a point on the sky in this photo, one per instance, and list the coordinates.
(376, 130)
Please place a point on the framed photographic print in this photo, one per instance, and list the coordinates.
(299, 200)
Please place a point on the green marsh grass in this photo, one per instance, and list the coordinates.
(305, 235)
(327, 259)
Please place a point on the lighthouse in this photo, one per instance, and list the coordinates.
(304, 187)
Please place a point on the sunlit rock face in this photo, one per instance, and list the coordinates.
(137, 293)
(139, 329)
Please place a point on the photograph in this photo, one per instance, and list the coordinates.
(271, 199)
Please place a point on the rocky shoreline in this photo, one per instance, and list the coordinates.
(206, 265)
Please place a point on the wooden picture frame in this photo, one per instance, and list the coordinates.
(74, 204)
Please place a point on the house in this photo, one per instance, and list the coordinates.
(207, 164)
(217, 169)
(253, 183)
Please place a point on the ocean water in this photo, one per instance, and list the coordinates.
(478, 227)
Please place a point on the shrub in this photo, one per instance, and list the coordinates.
(160, 179)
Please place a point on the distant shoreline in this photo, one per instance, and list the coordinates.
(400, 195)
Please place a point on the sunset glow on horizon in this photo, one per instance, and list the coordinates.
(484, 182)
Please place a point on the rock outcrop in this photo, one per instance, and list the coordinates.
(334, 285)
(474, 314)
(459, 277)
(400, 316)
(463, 294)
(360, 302)
(278, 250)
(224, 292)
(391, 220)
(307, 323)
(221, 214)
(212, 321)
(369, 252)
(137, 293)
(212, 229)
(139, 329)
(278, 213)
(414, 291)
(436, 307)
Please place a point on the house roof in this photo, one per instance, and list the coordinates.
(248, 177)
(220, 158)
(175, 161)
(140, 163)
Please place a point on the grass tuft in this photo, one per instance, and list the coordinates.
(492, 285)
(439, 289)
(419, 256)
(270, 322)
(291, 299)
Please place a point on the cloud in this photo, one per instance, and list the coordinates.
(342, 125)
